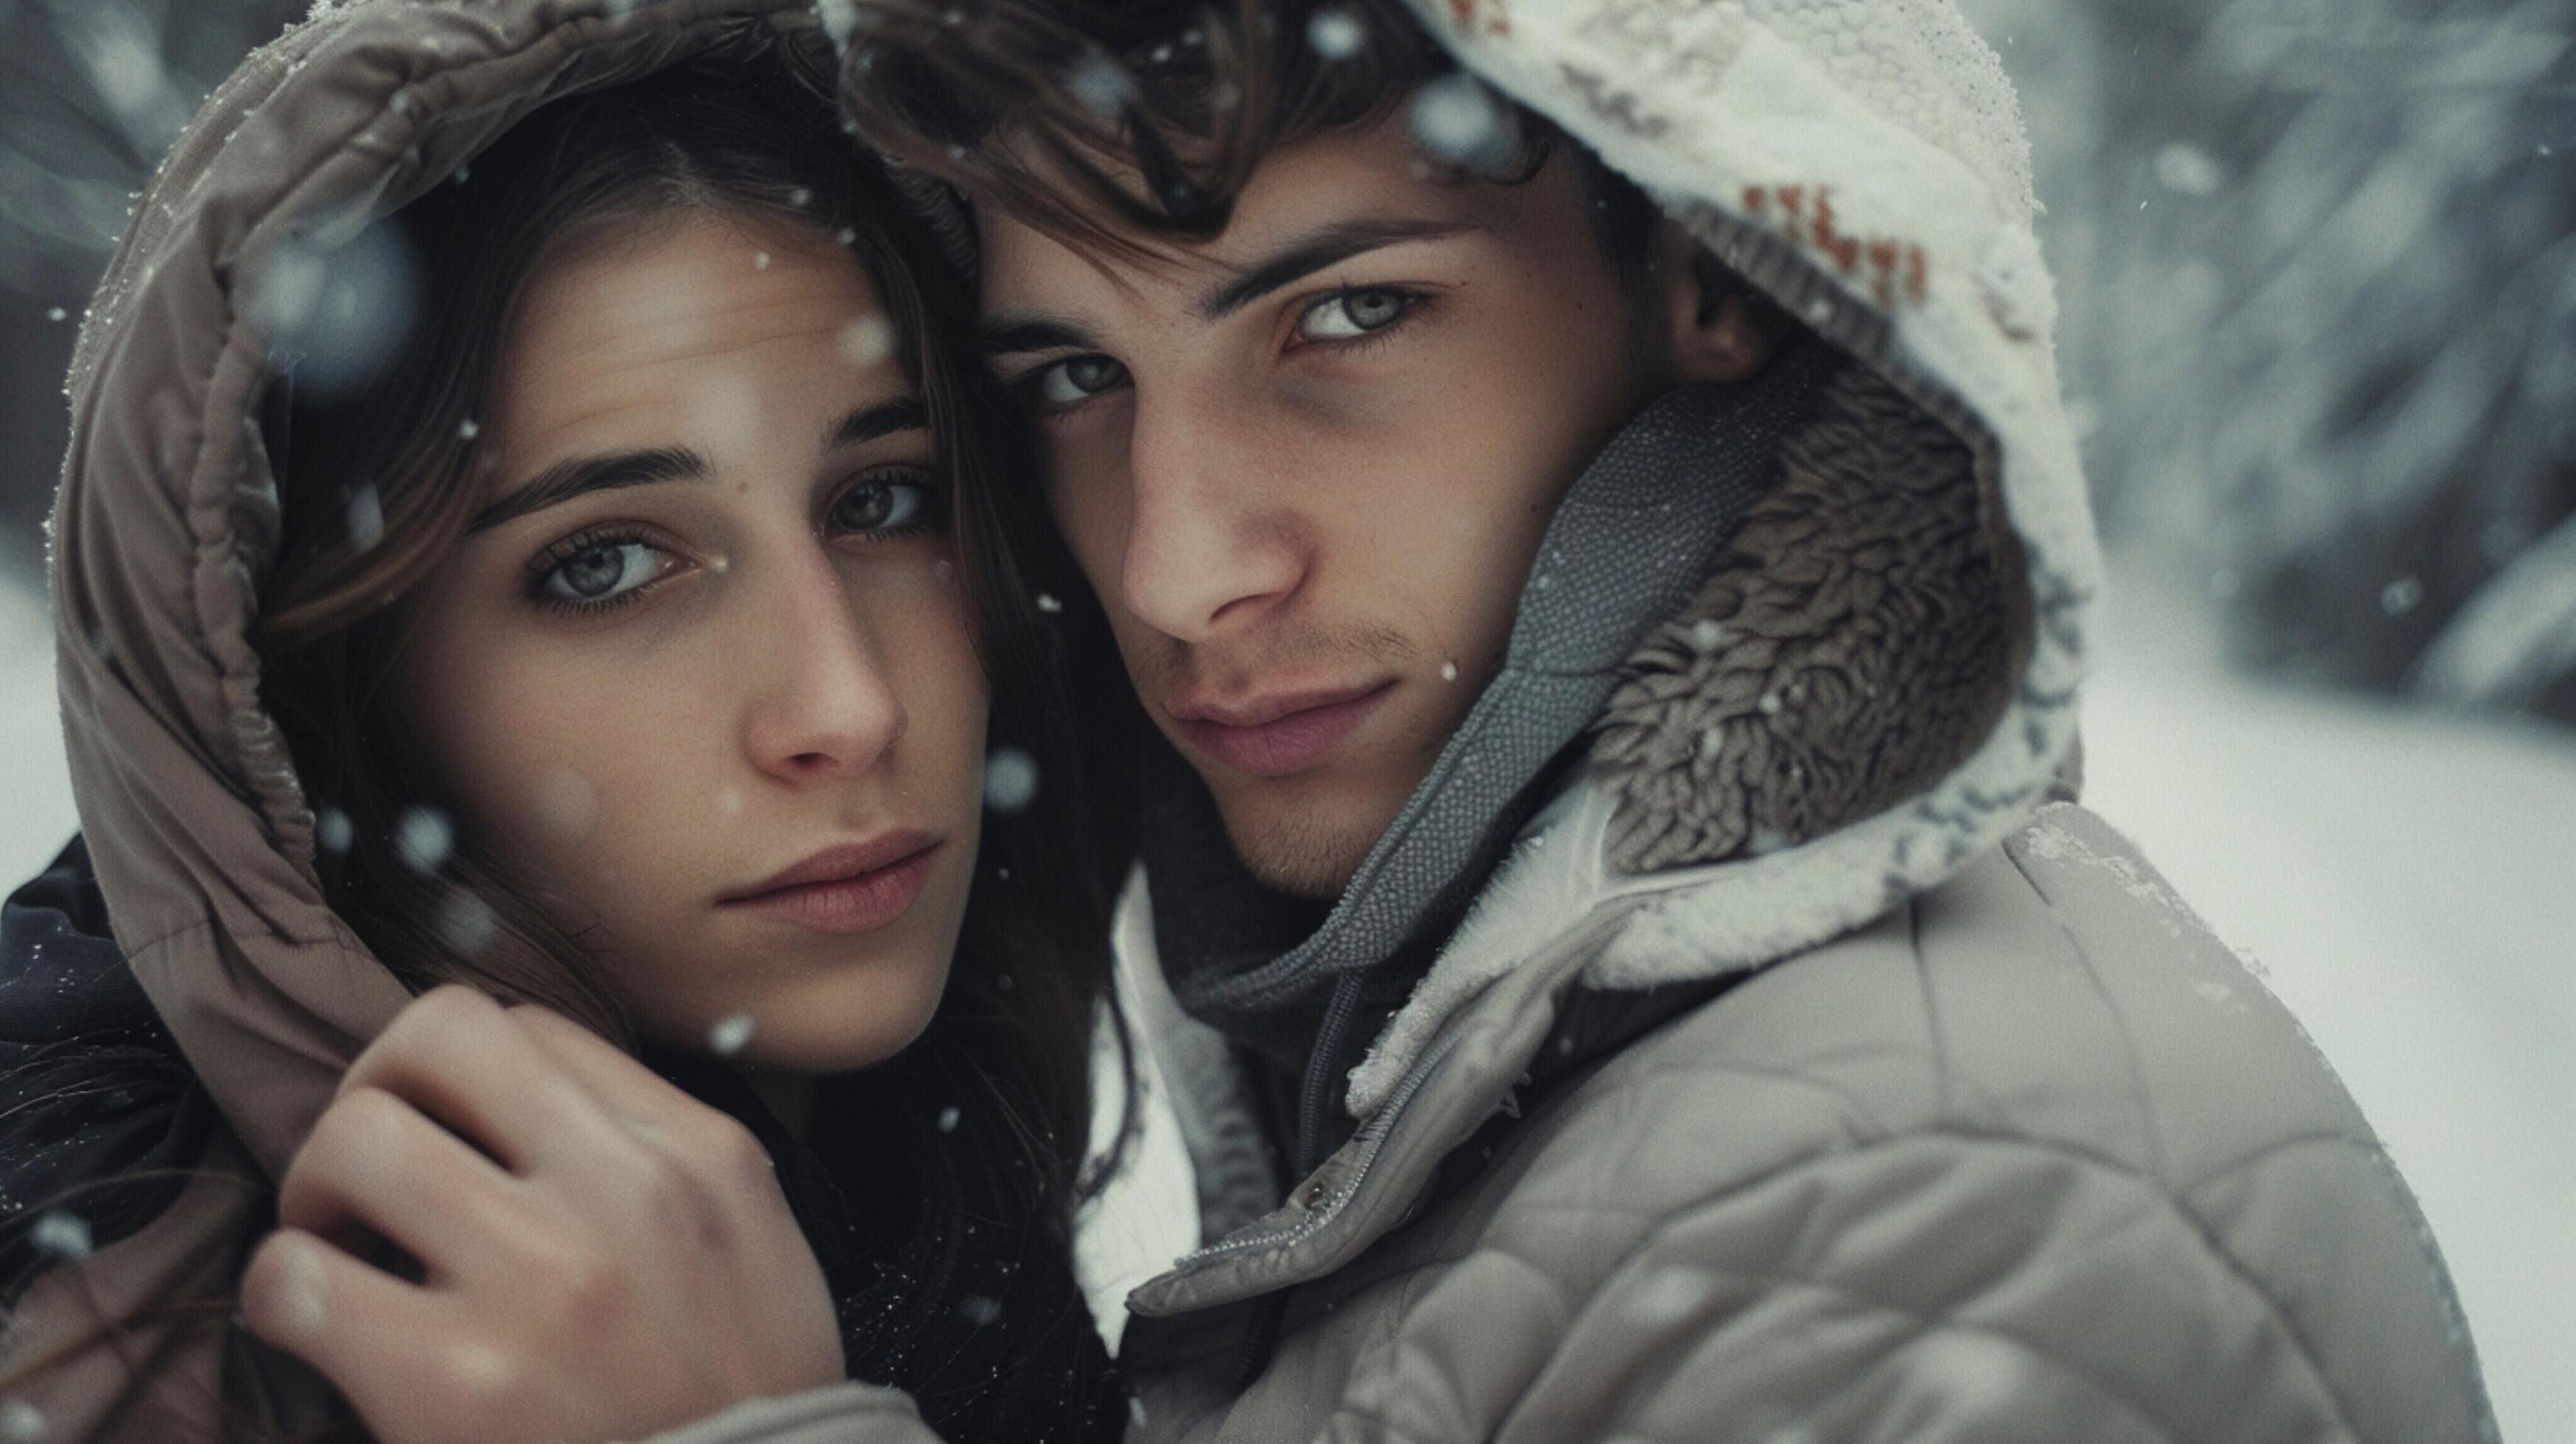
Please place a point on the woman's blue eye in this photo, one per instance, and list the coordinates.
(884, 506)
(1346, 314)
(599, 571)
(1077, 378)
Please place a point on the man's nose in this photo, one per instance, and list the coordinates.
(1215, 539)
(822, 705)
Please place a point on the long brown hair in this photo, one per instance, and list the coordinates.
(379, 481)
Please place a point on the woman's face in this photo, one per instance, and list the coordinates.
(702, 673)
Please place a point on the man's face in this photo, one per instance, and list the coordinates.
(1306, 466)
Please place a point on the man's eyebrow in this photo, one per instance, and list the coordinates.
(1312, 252)
(904, 413)
(581, 475)
(1009, 335)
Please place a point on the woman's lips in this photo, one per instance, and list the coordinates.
(1286, 742)
(862, 898)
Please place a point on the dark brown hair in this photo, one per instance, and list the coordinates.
(380, 480)
(1192, 96)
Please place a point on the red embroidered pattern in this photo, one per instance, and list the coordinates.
(1896, 268)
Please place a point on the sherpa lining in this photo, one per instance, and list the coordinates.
(1847, 653)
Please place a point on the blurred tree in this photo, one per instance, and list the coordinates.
(2319, 259)
(92, 92)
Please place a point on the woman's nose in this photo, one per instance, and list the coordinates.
(823, 704)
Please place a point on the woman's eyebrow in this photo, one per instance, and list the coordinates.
(581, 475)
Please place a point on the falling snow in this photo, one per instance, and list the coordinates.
(980, 1310)
(337, 313)
(333, 830)
(840, 21)
(867, 341)
(948, 1119)
(423, 837)
(1048, 604)
(64, 1235)
(466, 923)
(22, 1422)
(1010, 779)
(366, 517)
(729, 1034)
(1459, 120)
(1100, 84)
(1335, 34)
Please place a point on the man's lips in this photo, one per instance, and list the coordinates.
(852, 888)
(1278, 734)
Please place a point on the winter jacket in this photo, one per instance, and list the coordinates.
(1808, 1066)
(210, 1030)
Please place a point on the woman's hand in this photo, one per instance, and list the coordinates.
(601, 1255)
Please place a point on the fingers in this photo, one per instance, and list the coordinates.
(352, 1321)
(462, 1059)
(402, 1356)
(376, 1164)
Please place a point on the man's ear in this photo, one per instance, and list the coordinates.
(1720, 328)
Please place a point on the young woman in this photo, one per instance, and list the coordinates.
(528, 541)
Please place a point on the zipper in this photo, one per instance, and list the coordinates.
(1371, 1136)
(1311, 1093)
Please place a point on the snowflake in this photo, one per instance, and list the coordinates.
(22, 1422)
(729, 1034)
(366, 517)
(1459, 120)
(1010, 779)
(867, 341)
(467, 923)
(1335, 34)
(65, 1235)
(423, 838)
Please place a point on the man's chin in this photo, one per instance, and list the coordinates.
(1303, 853)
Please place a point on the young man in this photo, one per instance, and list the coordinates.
(1612, 678)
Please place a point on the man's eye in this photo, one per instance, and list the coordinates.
(1076, 379)
(1346, 314)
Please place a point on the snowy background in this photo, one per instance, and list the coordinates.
(2318, 260)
